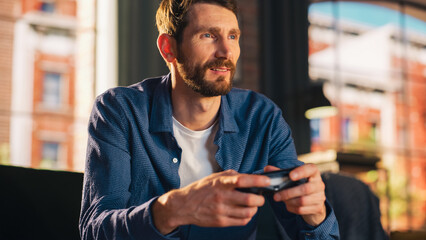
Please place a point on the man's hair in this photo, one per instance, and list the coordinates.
(171, 14)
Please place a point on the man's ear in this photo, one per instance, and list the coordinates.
(167, 46)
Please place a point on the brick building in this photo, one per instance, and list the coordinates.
(43, 84)
(375, 77)
(47, 62)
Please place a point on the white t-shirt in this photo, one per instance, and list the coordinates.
(198, 152)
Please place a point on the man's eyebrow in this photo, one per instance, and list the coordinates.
(216, 30)
(235, 31)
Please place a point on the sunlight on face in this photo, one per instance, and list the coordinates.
(207, 56)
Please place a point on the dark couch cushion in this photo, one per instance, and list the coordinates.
(39, 204)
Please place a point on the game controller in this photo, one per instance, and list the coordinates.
(280, 180)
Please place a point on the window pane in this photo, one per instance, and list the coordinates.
(52, 90)
(47, 7)
(50, 155)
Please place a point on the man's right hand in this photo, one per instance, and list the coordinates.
(210, 202)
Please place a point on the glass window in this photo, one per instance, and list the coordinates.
(52, 90)
(48, 7)
(372, 55)
(49, 155)
(315, 129)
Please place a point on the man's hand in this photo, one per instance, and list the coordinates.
(210, 202)
(307, 199)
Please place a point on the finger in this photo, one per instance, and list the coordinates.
(306, 210)
(246, 180)
(313, 199)
(270, 168)
(229, 172)
(227, 194)
(223, 215)
(305, 171)
(301, 190)
(239, 211)
(246, 199)
(224, 221)
(227, 177)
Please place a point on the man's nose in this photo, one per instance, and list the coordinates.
(224, 49)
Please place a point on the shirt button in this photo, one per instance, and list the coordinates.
(175, 160)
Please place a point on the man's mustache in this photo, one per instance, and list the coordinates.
(218, 63)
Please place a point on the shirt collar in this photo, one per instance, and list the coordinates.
(227, 120)
(162, 112)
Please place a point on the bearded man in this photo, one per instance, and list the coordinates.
(167, 156)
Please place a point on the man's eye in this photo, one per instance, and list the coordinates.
(207, 35)
(233, 37)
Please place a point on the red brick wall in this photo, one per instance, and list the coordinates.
(51, 122)
(7, 23)
(38, 78)
(62, 7)
(60, 121)
(417, 89)
(411, 111)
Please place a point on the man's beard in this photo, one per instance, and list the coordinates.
(193, 75)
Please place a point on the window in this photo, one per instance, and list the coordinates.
(315, 129)
(349, 130)
(52, 86)
(372, 56)
(373, 132)
(49, 155)
(47, 6)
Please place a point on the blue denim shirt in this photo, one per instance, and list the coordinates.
(131, 160)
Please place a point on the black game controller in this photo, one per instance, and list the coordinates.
(280, 180)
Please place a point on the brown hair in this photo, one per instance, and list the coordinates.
(171, 14)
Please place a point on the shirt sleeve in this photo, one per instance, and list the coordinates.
(105, 211)
(297, 228)
(283, 155)
(282, 152)
(328, 229)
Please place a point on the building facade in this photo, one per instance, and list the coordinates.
(48, 82)
(375, 76)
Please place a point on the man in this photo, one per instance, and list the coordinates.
(166, 155)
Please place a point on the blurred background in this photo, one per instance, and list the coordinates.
(350, 77)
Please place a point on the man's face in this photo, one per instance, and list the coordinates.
(209, 50)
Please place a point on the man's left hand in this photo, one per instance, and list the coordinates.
(307, 199)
